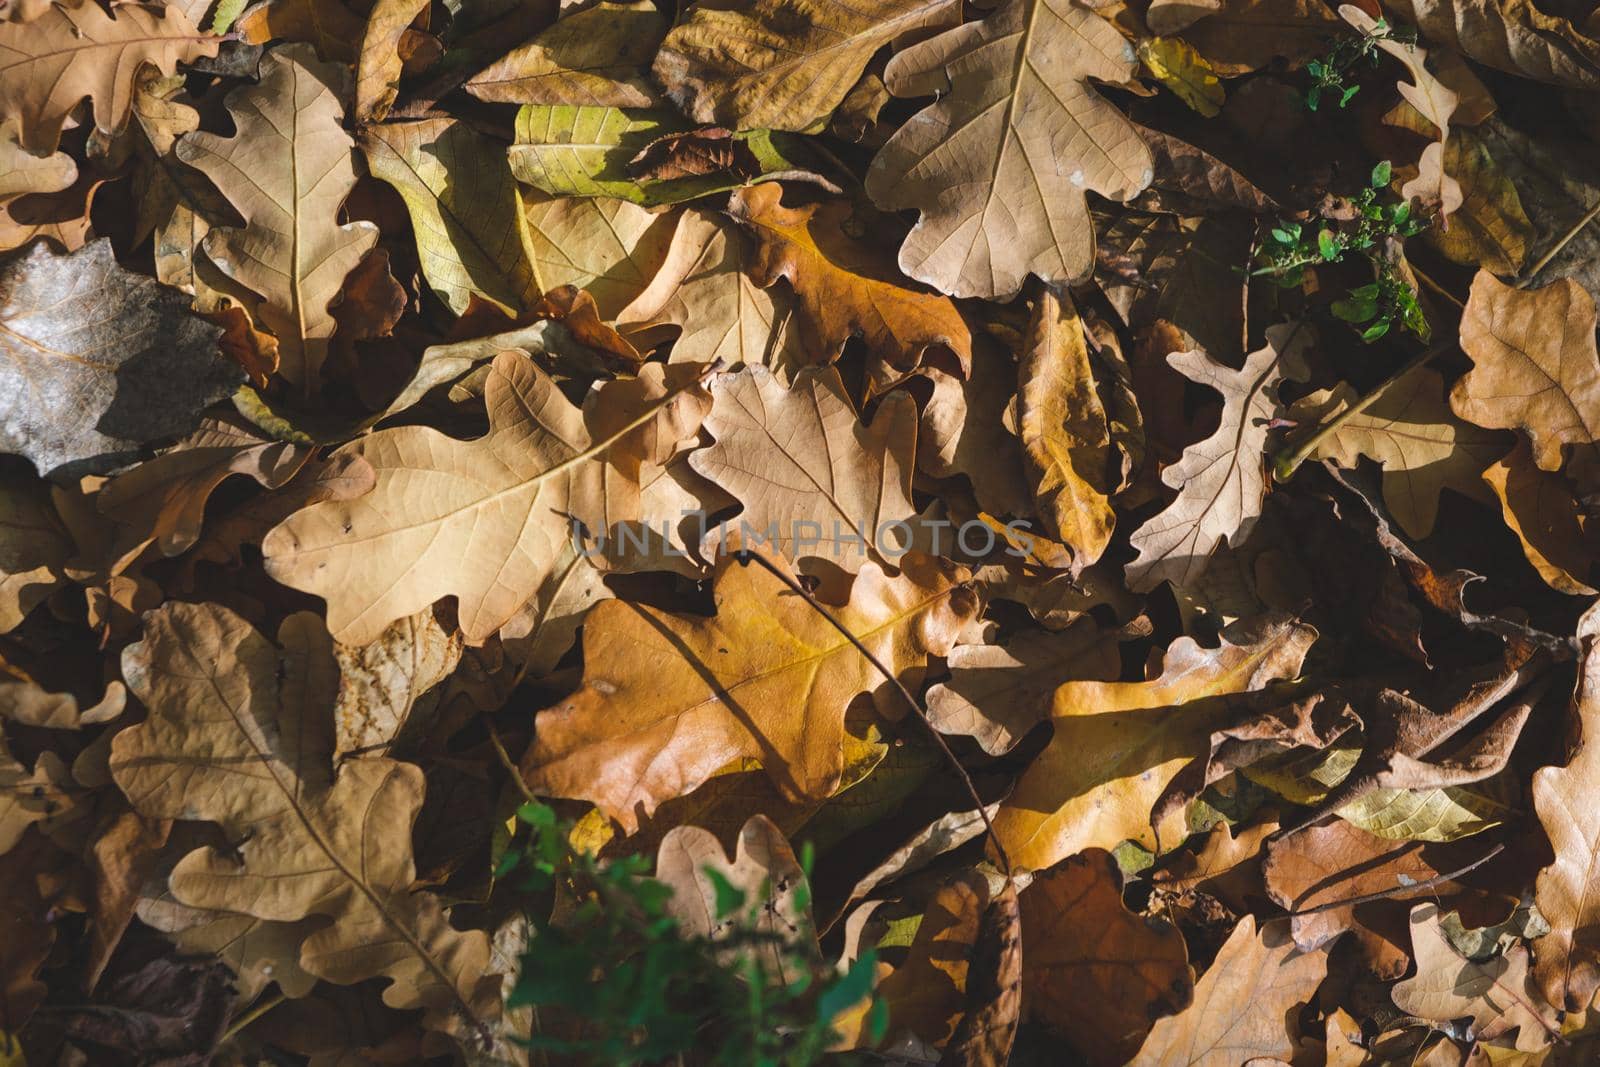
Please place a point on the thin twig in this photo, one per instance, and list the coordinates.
(745, 557)
(1286, 463)
(1384, 894)
(506, 762)
(256, 1011)
(1437, 289)
(1544, 261)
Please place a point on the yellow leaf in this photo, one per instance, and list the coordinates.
(1117, 745)
(465, 210)
(668, 700)
(1174, 63)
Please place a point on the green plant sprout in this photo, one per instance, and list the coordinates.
(1372, 309)
(1329, 73)
(634, 988)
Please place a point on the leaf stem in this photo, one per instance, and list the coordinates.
(745, 557)
(1437, 289)
(1544, 261)
(509, 764)
(1287, 462)
(256, 1011)
(1410, 887)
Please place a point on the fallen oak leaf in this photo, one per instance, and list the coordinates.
(1240, 1003)
(988, 1028)
(812, 479)
(997, 693)
(1510, 35)
(702, 288)
(1534, 365)
(779, 65)
(1065, 437)
(1238, 36)
(591, 57)
(228, 742)
(1499, 994)
(1000, 164)
(1566, 961)
(487, 528)
(466, 212)
(841, 287)
(380, 61)
(647, 157)
(644, 728)
(1093, 971)
(287, 170)
(610, 249)
(1538, 507)
(80, 394)
(162, 501)
(691, 861)
(1308, 874)
(22, 171)
(50, 64)
(1221, 481)
(1409, 430)
(1433, 100)
(1117, 745)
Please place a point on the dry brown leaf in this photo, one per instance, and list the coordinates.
(594, 56)
(1064, 433)
(1510, 35)
(34, 546)
(288, 170)
(813, 480)
(50, 64)
(1490, 230)
(162, 501)
(644, 728)
(1221, 481)
(388, 690)
(1498, 994)
(1409, 430)
(1534, 365)
(26, 937)
(1336, 861)
(1092, 970)
(702, 288)
(332, 27)
(1567, 959)
(781, 65)
(764, 868)
(997, 693)
(966, 429)
(1240, 1004)
(1237, 36)
(988, 1028)
(842, 287)
(1000, 164)
(1117, 745)
(379, 64)
(925, 992)
(1538, 507)
(481, 520)
(238, 734)
(611, 249)
(22, 171)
